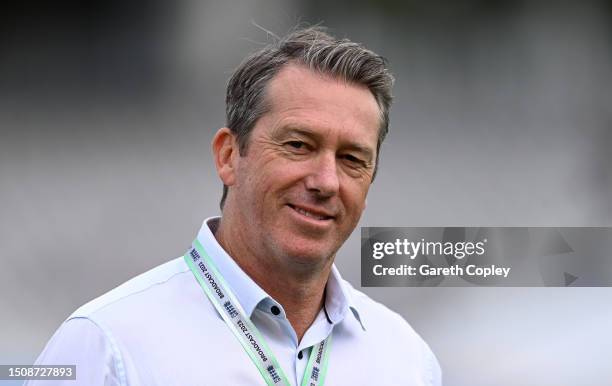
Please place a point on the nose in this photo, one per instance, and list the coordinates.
(323, 178)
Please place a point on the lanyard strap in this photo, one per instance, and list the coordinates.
(225, 302)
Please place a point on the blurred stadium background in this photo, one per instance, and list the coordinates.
(502, 117)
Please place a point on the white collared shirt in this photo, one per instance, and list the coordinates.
(160, 329)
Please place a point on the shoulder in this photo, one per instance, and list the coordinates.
(377, 316)
(141, 291)
(388, 331)
(156, 300)
(123, 329)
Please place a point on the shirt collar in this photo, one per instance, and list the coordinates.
(247, 292)
(338, 296)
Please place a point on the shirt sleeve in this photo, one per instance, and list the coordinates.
(81, 342)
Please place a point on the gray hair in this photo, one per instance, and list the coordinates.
(313, 47)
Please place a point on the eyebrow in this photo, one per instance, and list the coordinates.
(366, 151)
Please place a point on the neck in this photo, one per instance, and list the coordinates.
(300, 292)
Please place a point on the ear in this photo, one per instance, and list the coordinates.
(225, 153)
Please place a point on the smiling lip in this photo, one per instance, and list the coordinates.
(314, 214)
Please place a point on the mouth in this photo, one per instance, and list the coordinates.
(311, 213)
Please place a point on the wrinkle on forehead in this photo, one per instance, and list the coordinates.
(298, 96)
(287, 86)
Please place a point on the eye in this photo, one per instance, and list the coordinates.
(353, 160)
(297, 147)
(296, 144)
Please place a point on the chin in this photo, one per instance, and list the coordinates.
(306, 253)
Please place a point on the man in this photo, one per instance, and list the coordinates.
(257, 299)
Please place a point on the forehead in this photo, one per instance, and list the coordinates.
(298, 95)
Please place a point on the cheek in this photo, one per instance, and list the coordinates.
(284, 175)
(354, 198)
(257, 182)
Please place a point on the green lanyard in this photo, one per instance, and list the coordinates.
(225, 302)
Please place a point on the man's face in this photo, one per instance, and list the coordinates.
(301, 187)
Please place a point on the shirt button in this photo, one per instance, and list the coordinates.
(300, 355)
(275, 310)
